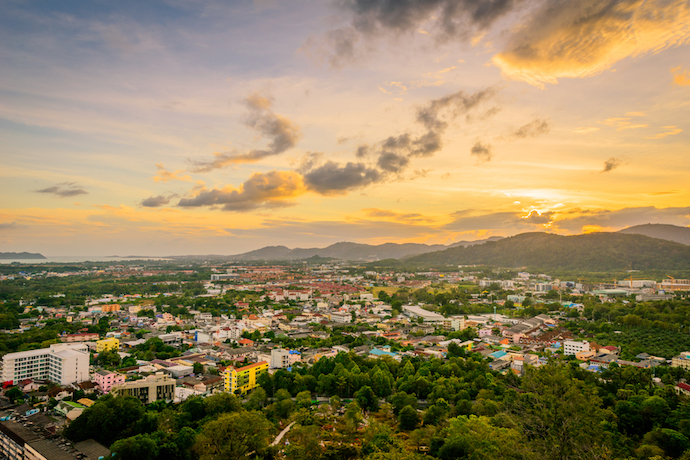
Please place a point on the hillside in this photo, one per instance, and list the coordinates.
(661, 231)
(590, 252)
(21, 255)
(352, 251)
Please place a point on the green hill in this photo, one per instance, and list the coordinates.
(661, 231)
(589, 252)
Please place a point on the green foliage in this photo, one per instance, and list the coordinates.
(233, 436)
(108, 419)
(408, 418)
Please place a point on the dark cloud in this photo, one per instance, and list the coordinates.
(157, 201)
(531, 129)
(611, 164)
(65, 190)
(10, 226)
(269, 190)
(465, 221)
(392, 156)
(481, 151)
(362, 151)
(332, 178)
(370, 19)
(283, 133)
(392, 162)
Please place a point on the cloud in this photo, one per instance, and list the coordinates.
(578, 39)
(283, 133)
(482, 152)
(336, 179)
(64, 190)
(587, 130)
(535, 217)
(372, 19)
(164, 176)
(395, 216)
(269, 190)
(611, 164)
(576, 219)
(672, 131)
(157, 201)
(10, 226)
(392, 156)
(623, 123)
(680, 78)
(531, 129)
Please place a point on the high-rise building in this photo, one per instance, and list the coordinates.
(243, 378)
(62, 363)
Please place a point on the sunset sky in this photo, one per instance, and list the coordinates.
(194, 127)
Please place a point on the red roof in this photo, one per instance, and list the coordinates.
(684, 386)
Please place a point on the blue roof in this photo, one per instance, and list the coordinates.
(294, 352)
(378, 352)
(498, 354)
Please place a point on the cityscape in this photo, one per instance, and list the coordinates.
(345, 230)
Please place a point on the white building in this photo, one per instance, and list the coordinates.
(414, 311)
(338, 317)
(62, 363)
(280, 358)
(571, 347)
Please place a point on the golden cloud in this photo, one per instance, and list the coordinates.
(680, 78)
(671, 131)
(164, 176)
(584, 38)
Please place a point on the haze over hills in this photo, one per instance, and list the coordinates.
(588, 252)
(661, 231)
(21, 255)
(353, 251)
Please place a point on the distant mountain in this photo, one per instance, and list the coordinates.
(590, 252)
(661, 231)
(21, 255)
(352, 251)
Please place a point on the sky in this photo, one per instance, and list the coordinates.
(202, 127)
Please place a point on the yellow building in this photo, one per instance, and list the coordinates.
(243, 378)
(109, 344)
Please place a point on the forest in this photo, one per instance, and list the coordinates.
(349, 407)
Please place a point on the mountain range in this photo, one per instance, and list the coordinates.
(21, 255)
(353, 251)
(661, 231)
(546, 251)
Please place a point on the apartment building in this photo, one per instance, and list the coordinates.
(571, 347)
(62, 363)
(149, 389)
(243, 378)
(106, 380)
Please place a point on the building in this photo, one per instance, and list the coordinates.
(682, 360)
(280, 358)
(571, 347)
(157, 387)
(109, 344)
(13, 439)
(427, 316)
(62, 363)
(106, 380)
(83, 337)
(244, 378)
(341, 317)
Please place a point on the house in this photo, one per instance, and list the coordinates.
(683, 389)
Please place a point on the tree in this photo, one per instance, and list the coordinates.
(303, 399)
(198, 368)
(367, 399)
(408, 418)
(476, 438)
(233, 436)
(13, 394)
(139, 447)
(559, 414)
